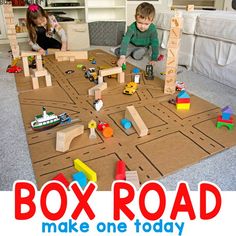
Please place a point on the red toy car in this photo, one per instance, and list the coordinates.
(14, 69)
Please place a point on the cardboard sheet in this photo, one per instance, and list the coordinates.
(176, 139)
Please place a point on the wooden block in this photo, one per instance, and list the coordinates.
(120, 170)
(14, 45)
(110, 71)
(8, 14)
(175, 33)
(182, 100)
(121, 77)
(190, 8)
(12, 38)
(132, 176)
(176, 22)
(25, 66)
(183, 106)
(9, 21)
(15, 54)
(100, 80)
(65, 137)
(101, 87)
(78, 55)
(35, 82)
(11, 31)
(170, 79)
(90, 174)
(7, 8)
(172, 52)
(132, 115)
(171, 61)
(173, 43)
(48, 80)
(39, 63)
(29, 53)
(61, 178)
(171, 71)
(71, 59)
(51, 51)
(11, 26)
(169, 88)
(39, 73)
(98, 94)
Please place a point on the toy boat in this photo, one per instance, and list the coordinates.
(45, 121)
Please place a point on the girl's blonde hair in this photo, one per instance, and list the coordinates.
(33, 12)
(145, 10)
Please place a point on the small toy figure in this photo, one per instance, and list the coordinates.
(92, 125)
(149, 72)
(123, 67)
(136, 75)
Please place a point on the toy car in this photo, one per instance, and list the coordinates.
(180, 86)
(14, 69)
(130, 88)
(64, 118)
(91, 74)
(149, 72)
(69, 71)
(98, 104)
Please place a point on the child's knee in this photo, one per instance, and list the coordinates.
(139, 53)
(117, 51)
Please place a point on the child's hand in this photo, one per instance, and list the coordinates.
(42, 51)
(152, 63)
(63, 47)
(121, 61)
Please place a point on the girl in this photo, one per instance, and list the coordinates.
(42, 29)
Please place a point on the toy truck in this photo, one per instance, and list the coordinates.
(130, 88)
(149, 72)
(91, 74)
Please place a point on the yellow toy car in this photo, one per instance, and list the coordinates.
(130, 88)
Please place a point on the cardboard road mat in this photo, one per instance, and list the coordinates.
(176, 139)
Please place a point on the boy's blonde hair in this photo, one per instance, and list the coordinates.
(145, 10)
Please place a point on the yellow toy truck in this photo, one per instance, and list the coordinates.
(130, 88)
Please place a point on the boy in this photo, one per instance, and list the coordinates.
(140, 35)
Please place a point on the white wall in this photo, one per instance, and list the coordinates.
(131, 7)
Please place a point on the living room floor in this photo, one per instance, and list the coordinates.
(15, 162)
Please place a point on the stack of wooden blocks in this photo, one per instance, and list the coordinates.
(40, 71)
(172, 54)
(11, 31)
